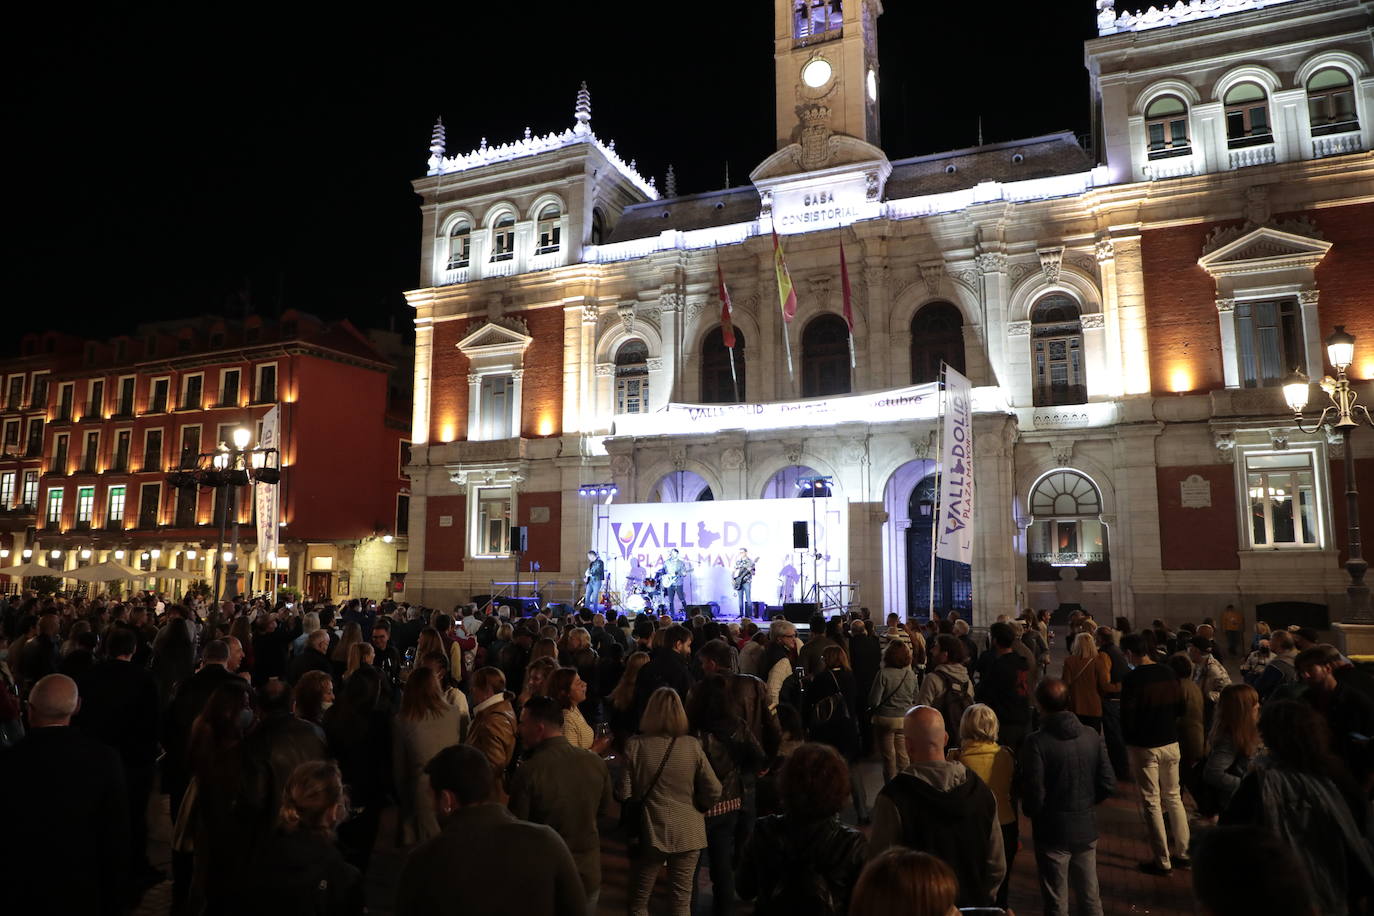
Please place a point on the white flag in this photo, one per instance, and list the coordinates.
(954, 532)
(266, 496)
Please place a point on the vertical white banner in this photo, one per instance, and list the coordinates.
(954, 529)
(266, 495)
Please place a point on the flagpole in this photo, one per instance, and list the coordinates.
(935, 506)
(733, 379)
(787, 341)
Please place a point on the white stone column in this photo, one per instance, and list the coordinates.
(994, 578)
(1120, 257)
(571, 420)
(1230, 357)
(517, 414)
(1311, 334)
(586, 406)
(474, 405)
(993, 267)
(419, 418)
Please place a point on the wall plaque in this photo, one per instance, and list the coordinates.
(445, 521)
(1195, 492)
(539, 515)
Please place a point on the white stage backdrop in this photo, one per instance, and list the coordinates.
(635, 539)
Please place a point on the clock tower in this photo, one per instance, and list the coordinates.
(826, 53)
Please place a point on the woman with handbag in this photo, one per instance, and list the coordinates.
(665, 786)
(1087, 672)
(892, 694)
(832, 717)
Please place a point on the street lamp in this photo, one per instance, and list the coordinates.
(233, 465)
(1342, 414)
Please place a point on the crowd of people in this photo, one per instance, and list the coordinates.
(499, 748)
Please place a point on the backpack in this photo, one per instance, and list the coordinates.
(956, 698)
(830, 710)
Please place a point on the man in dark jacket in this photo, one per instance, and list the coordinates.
(942, 808)
(667, 667)
(1151, 703)
(1348, 712)
(279, 744)
(443, 871)
(67, 799)
(40, 656)
(1005, 685)
(564, 787)
(313, 657)
(1065, 773)
(120, 709)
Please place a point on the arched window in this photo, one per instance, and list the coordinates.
(549, 229)
(1247, 116)
(825, 357)
(1166, 127)
(937, 335)
(1331, 102)
(632, 377)
(459, 245)
(1057, 352)
(503, 238)
(718, 386)
(1066, 528)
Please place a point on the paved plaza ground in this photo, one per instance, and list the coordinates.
(1124, 889)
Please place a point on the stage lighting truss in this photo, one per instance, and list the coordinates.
(597, 490)
(814, 486)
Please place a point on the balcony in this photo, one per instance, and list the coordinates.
(1161, 169)
(150, 466)
(155, 406)
(266, 397)
(1253, 155)
(454, 275)
(113, 524)
(1337, 144)
(500, 268)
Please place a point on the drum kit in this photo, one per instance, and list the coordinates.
(643, 594)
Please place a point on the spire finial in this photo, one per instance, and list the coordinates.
(437, 138)
(583, 112)
(670, 182)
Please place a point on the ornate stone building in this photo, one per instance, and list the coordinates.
(1126, 318)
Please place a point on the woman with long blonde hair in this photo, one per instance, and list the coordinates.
(1087, 672)
(352, 635)
(536, 679)
(361, 654)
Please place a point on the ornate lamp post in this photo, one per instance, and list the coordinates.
(1342, 414)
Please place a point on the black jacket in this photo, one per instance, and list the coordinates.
(865, 657)
(1065, 774)
(302, 872)
(841, 730)
(311, 659)
(67, 805)
(821, 858)
(119, 707)
(1005, 686)
(666, 668)
(191, 698)
(271, 753)
(950, 824)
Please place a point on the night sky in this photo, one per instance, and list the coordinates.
(170, 165)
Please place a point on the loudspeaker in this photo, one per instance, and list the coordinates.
(708, 611)
(519, 539)
(800, 611)
(800, 540)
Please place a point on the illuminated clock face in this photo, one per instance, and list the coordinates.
(816, 73)
(872, 85)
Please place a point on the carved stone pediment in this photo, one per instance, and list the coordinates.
(1263, 248)
(493, 338)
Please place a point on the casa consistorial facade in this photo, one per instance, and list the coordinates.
(1125, 316)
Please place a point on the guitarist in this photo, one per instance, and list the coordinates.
(670, 579)
(743, 578)
(593, 577)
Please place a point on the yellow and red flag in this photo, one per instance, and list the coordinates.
(787, 295)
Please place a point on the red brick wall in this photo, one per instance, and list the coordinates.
(1198, 538)
(546, 544)
(444, 547)
(1364, 481)
(1181, 314)
(448, 383)
(542, 387)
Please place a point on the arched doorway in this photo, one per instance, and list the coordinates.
(937, 335)
(1066, 530)
(953, 581)
(796, 481)
(681, 487)
(718, 386)
(825, 357)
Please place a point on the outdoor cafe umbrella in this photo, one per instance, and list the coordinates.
(181, 574)
(24, 570)
(109, 571)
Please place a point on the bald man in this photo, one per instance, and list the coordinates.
(68, 795)
(942, 808)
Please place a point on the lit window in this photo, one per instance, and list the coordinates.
(1331, 102)
(496, 407)
(459, 245)
(54, 515)
(11, 448)
(7, 480)
(503, 239)
(1282, 499)
(493, 521)
(1268, 341)
(114, 518)
(817, 20)
(632, 377)
(549, 230)
(1067, 528)
(1057, 352)
(1247, 116)
(1166, 127)
(85, 505)
(29, 496)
